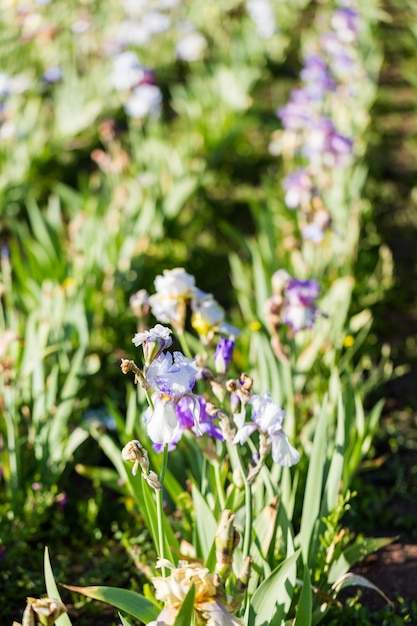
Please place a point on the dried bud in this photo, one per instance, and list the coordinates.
(246, 382)
(264, 446)
(126, 366)
(232, 385)
(47, 611)
(134, 451)
(130, 366)
(227, 426)
(212, 409)
(152, 480)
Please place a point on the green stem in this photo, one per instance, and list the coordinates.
(219, 486)
(248, 520)
(184, 344)
(159, 508)
(248, 506)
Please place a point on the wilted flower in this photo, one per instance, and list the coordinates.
(173, 589)
(135, 452)
(226, 540)
(47, 611)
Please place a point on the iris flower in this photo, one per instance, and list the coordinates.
(267, 417)
(172, 378)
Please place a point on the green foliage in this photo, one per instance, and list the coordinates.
(96, 203)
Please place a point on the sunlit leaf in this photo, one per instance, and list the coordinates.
(349, 580)
(185, 614)
(272, 599)
(123, 599)
(52, 589)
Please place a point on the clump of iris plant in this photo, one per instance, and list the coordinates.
(292, 305)
(311, 135)
(197, 396)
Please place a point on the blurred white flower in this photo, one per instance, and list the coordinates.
(127, 71)
(261, 13)
(191, 47)
(145, 101)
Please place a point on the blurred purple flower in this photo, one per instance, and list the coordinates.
(344, 22)
(313, 232)
(298, 187)
(325, 146)
(52, 74)
(223, 355)
(317, 77)
(299, 309)
(297, 113)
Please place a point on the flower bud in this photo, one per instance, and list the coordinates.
(226, 540)
(223, 355)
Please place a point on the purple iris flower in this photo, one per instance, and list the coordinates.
(297, 113)
(172, 379)
(298, 188)
(206, 423)
(324, 145)
(223, 354)
(186, 421)
(316, 76)
(299, 310)
(52, 74)
(313, 232)
(344, 22)
(267, 417)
